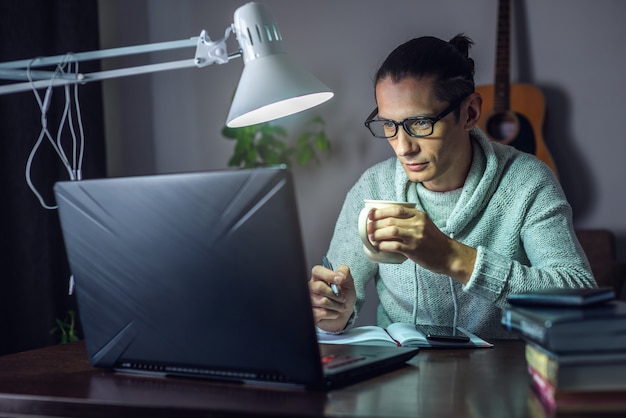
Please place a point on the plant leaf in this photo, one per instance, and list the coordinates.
(267, 145)
(304, 154)
(321, 142)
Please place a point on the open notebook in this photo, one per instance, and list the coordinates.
(202, 274)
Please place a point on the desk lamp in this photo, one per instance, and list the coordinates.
(271, 85)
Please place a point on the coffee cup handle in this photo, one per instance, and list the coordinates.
(363, 216)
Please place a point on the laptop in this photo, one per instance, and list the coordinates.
(202, 275)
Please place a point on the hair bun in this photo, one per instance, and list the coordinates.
(462, 43)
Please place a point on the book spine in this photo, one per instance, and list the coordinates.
(544, 390)
(537, 407)
(542, 363)
(513, 321)
(556, 401)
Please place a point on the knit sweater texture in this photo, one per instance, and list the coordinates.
(511, 209)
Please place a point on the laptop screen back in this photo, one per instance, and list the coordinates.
(202, 273)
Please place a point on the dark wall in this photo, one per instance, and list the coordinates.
(33, 269)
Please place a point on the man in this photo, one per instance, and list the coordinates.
(489, 220)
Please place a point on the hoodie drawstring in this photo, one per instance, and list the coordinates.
(415, 294)
(453, 293)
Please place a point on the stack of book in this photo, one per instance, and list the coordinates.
(575, 348)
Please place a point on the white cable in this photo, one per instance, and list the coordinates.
(60, 69)
(67, 114)
(43, 106)
(81, 153)
(74, 169)
(29, 162)
(77, 148)
(44, 117)
(59, 144)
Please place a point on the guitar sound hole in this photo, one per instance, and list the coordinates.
(513, 129)
(502, 127)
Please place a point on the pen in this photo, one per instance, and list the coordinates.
(326, 263)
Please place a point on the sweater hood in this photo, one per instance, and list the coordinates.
(480, 184)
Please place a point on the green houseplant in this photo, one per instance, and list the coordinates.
(67, 328)
(266, 144)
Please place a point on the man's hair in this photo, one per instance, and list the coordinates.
(448, 62)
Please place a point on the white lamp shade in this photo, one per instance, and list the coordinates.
(271, 85)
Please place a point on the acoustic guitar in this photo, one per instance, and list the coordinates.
(513, 113)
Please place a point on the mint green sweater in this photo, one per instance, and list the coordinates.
(511, 209)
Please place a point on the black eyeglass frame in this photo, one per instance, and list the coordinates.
(453, 105)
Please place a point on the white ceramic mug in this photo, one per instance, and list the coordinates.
(372, 252)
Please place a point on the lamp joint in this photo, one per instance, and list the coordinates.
(209, 52)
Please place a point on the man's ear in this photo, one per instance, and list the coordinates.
(473, 110)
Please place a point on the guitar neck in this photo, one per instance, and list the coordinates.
(502, 99)
(514, 112)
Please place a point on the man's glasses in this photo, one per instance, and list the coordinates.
(416, 126)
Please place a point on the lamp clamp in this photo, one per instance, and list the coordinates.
(211, 52)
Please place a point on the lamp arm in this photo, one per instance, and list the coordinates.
(207, 52)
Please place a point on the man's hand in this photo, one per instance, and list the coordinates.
(412, 233)
(332, 312)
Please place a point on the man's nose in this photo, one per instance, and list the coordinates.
(406, 144)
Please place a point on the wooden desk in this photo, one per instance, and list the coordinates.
(59, 381)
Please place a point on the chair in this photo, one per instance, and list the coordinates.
(599, 246)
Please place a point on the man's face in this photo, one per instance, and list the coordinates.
(440, 161)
